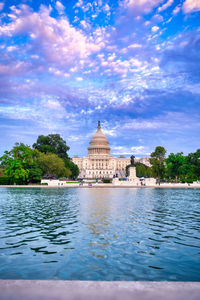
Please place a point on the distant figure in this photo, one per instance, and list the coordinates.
(132, 160)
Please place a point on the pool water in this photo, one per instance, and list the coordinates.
(100, 234)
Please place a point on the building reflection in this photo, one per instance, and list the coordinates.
(97, 218)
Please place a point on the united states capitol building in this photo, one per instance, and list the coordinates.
(99, 162)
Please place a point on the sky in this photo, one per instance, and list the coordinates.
(132, 64)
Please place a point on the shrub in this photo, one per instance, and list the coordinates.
(106, 180)
(4, 180)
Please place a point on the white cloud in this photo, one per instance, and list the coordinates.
(191, 6)
(136, 150)
(71, 47)
(74, 138)
(165, 5)
(85, 25)
(154, 28)
(147, 23)
(157, 18)
(111, 132)
(60, 7)
(167, 121)
(107, 7)
(176, 10)
(52, 104)
(141, 6)
(1, 5)
(79, 3)
(11, 48)
(132, 46)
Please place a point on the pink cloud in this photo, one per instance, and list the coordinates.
(55, 40)
(165, 5)
(191, 6)
(141, 6)
(60, 7)
(1, 5)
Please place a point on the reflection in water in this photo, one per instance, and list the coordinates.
(100, 234)
(97, 210)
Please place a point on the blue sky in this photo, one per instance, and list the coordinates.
(133, 64)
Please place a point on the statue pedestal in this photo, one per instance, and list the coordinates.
(132, 173)
(115, 181)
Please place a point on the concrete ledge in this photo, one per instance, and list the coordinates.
(100, 290)
(107, 185)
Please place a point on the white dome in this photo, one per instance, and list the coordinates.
(99, 144)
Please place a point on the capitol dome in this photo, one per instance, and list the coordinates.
(99, 144)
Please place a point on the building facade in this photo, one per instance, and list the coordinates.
(99, 162)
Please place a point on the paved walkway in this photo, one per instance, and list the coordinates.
(98, 290)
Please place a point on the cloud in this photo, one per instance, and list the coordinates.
(60, 7)
(52, 104)
(154, 28)
(140, 6)
(1, 6)
(182, 55)
(136, 150)
(176, 9)
(191, 6)
(165, 5)
(56, 41)
(168, 121)
(110, 132)
(57, 75)
(79, 78)
(135, 45)
(79, 3)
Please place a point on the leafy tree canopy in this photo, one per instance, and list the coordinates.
(159, 153)
(73, 168)
(174, 162)
(53, 164)
(18, 162)
(157, 161)
(52, 143)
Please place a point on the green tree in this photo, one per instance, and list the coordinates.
(149, 172)
(157, 161)
(17, 163)
(174, 162)
(73, 168)
(52, 143)
(193, 159)
(1, 172)
(53, 164)
(140, 170)
(35, 173)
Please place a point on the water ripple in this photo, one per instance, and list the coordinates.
(105, 234)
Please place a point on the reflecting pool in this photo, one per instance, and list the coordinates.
(100, 234)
